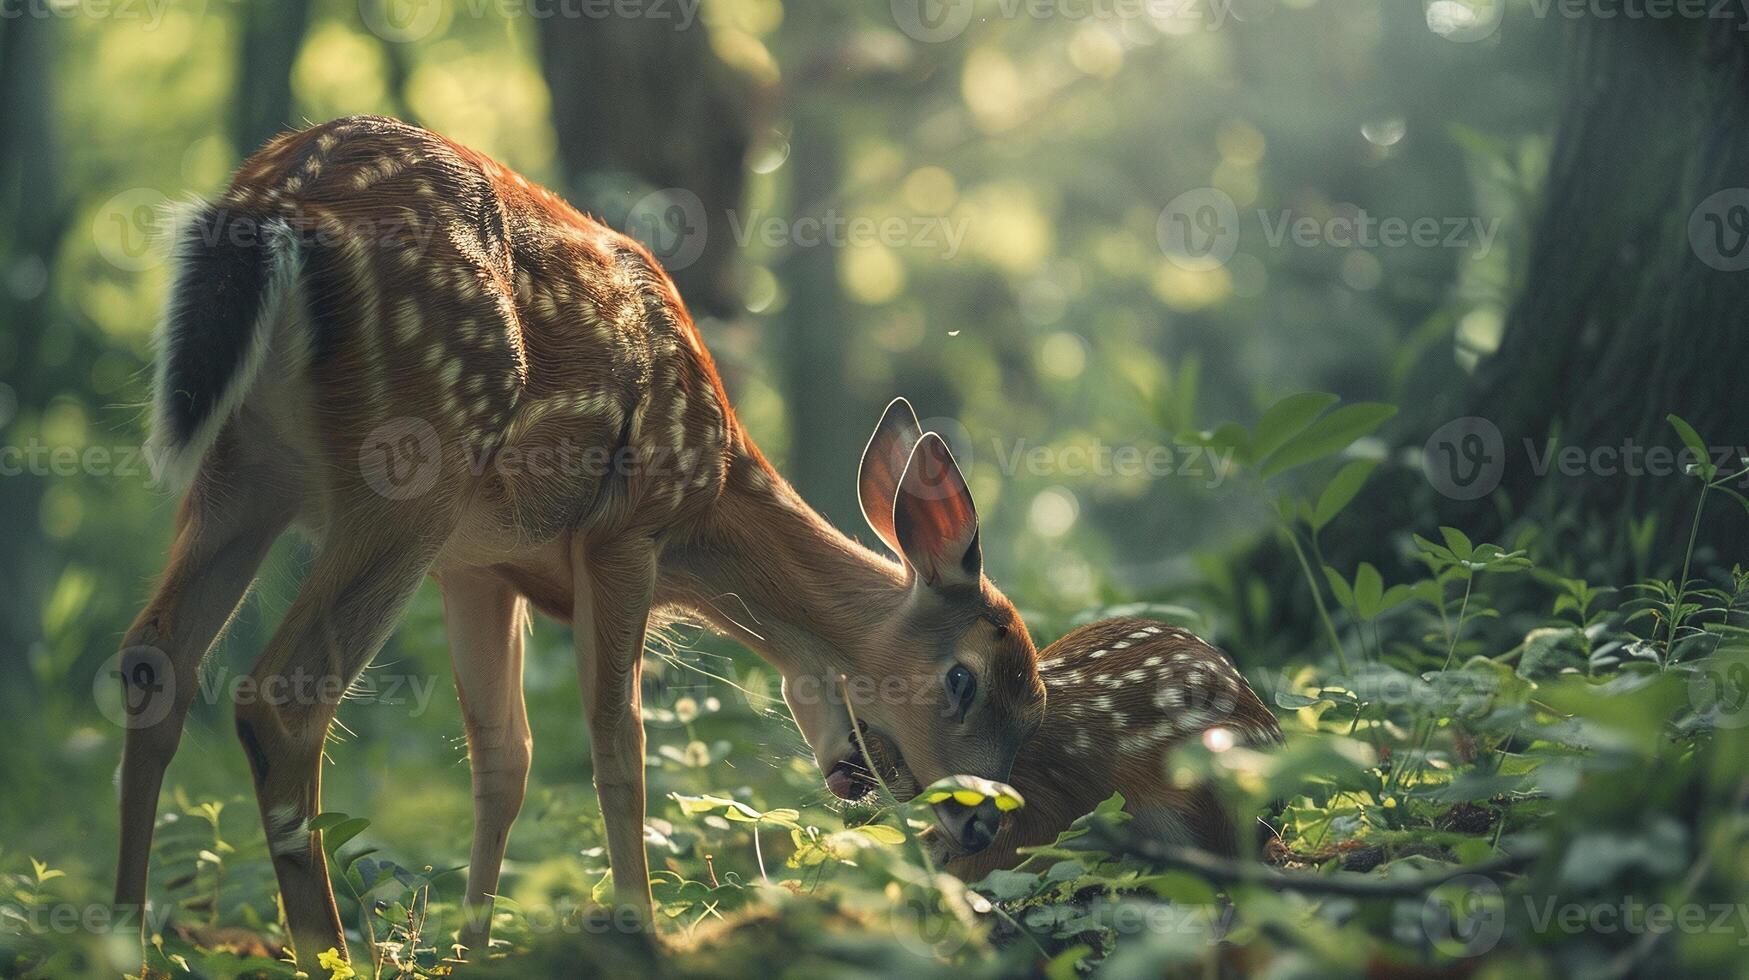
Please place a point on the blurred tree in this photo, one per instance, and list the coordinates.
(1632, 302)
(33, 217)
(823, 439)
(641, 105)
(272, 34)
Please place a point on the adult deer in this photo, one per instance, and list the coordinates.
(433, 366)
(1124, 693)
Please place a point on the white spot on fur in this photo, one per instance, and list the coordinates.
(287, 831)
(406, 318)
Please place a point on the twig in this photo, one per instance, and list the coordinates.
(1227, 871)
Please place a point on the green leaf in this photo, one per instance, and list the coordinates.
(1294, 702)
(1111, 806)
(1288, 418)
(971, 791)
(1066, 965)
(44, 872)
(1439, 553)
(1458, 542)
(1340, 490)
(1328, 436)
(1369, 589)
(1066, 871)
(1693, 440)
(1006, 886)
(1339, 587)
(331, 818)
(337, 837)
(880, 833)
(732, 809)
(1395, 596)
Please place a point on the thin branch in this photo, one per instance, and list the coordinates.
(1227, 871)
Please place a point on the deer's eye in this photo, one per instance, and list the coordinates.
(962, 687)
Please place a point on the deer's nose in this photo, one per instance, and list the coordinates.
(972, 828)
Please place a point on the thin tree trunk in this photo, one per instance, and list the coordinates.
(32, 219)
(272, 34)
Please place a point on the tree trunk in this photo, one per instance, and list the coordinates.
(640, 107)
(33, 217)
(825, 440)
(272, 34)
(1632, 306)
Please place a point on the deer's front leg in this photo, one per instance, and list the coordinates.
(615, 584)
(485, 617)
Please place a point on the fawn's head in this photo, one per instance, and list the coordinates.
(949, 676)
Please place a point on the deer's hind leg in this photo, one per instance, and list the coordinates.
(238, 504)
(368, 566)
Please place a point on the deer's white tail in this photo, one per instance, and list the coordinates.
(234, 275)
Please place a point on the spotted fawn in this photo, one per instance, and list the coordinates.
(1123, 694)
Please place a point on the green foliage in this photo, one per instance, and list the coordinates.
(1522, 764)
(1502, 708)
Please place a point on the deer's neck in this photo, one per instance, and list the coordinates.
(766, 569)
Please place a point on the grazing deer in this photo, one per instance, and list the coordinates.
(434, 367)
(1123, 693)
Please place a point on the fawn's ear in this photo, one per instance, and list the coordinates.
(883, 463)
(934, 519)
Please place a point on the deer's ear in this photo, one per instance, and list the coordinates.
(883, 464)
(934, 519)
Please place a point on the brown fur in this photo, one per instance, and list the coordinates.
(580, 455)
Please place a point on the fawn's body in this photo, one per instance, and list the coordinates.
(1123, 693)
(434, 367)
